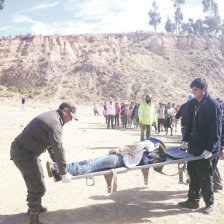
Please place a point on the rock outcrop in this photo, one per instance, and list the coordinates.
(117, 66)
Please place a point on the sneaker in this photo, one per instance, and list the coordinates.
(208, 209)
(189, 204)
(217, 188)
(53, 171)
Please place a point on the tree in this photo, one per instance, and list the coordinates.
(178, 2)
(198, 27)
(212, 19)
(178, 14)
(209, 6)
(1, 4)
(170, 26)
(154, 16)
(222, 28)
(178, 19)
(187, 28)
(212, 25)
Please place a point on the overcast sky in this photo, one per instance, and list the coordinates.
(64, 17)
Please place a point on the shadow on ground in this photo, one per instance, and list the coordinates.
(124, 207)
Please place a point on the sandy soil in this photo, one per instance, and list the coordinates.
(78, 203)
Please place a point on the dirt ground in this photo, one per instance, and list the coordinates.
(78, 203)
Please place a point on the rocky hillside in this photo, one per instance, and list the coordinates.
(110, 66)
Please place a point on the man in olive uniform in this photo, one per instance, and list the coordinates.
(43, 133)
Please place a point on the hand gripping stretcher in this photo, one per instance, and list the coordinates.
(174, 156)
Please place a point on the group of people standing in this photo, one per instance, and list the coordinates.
(126, 114)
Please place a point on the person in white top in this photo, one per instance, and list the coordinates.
(95, 109)
(110, 115)
(169, 115)
(161, 116)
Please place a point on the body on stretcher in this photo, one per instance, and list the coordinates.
(174, 156)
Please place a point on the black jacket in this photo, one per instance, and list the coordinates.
(222, 139)
(182, 113)
(204, 126)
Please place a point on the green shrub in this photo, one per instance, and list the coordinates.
(37, 92)
(63, 97)
(23, 90)
(78, 66)
(45, 83)
(13, 89)
(31, 95)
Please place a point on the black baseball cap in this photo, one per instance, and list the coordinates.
(71, 107)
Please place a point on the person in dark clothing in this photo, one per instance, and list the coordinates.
(43, 133)
(203, 135)
(217, 181)
(23, 104)
(182, 113)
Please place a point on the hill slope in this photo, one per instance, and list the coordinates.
(117, 66)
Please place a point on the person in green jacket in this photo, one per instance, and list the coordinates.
(147, 117)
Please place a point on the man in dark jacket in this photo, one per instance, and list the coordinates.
(43, 133)
(203, 134)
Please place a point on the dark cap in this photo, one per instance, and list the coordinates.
(148, 96)
(71, 107)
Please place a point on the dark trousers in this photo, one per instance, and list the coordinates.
(32, 173)
(201, 177)
(217, 181)
(160, 122)
(117, 120)
(110, 119)
(183, 130)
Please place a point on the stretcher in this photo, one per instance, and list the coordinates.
(174, 156)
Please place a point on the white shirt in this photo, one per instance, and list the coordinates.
(111, 110)
(160, 112)
(95, 107)
(171, 111)
(132, 161)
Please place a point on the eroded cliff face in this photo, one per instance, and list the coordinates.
(117, 66)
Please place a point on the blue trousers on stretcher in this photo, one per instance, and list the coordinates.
(101, 163)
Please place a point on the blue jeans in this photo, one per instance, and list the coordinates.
(101, 163)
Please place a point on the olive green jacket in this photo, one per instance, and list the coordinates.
(43, 133)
